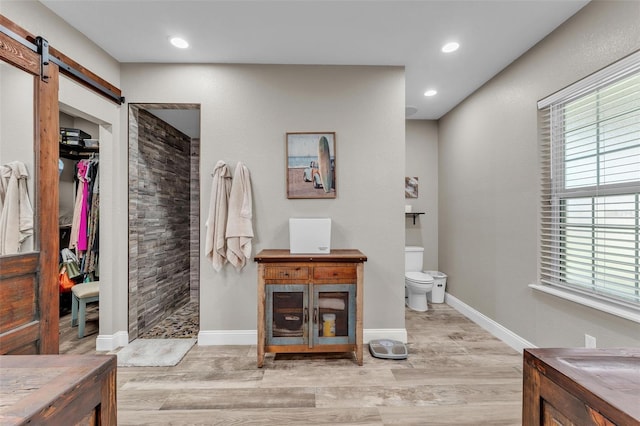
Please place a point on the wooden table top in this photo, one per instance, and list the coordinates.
(612, 375)
(29, 384)
(336, 255)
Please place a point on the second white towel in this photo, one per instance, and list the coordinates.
(239, 226)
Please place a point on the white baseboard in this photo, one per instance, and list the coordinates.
(109, 342)
(250, 337)
(227, 337)
(385, 333)
(497, 330)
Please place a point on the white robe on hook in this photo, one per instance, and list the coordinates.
(215, 240)
(239, 226)
(16, 213)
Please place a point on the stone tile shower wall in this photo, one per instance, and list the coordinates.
(194, 219)
(160, 220)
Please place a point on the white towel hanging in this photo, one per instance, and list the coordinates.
(239, 227)
(215, 239)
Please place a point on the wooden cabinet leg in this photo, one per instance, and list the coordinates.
(260, 356)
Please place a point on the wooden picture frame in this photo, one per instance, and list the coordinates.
(311, 165)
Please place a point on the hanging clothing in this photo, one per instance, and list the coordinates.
(82, 236)
(82, 230)
(91, 259)
(239, 231)
(16, 213)
(215, 241)
(78, 236)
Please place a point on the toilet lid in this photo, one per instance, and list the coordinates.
(419, 277)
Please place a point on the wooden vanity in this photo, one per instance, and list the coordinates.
(310, 303)
(578, 386)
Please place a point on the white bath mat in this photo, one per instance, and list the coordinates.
(154, 352)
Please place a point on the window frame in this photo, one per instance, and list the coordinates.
(552, 257)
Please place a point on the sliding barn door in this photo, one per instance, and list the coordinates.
(28, 136)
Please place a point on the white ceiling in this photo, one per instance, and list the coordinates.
(185, 120)
(491, 34)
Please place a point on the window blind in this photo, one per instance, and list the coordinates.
(590, 165)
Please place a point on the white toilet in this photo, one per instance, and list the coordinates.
(417, 283)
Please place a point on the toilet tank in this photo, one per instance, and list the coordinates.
(413, 258)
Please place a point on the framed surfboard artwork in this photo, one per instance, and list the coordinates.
(311, 165)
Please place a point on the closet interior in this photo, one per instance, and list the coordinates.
(79, 238)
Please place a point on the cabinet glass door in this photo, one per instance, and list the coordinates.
(287, 314)
(335, 314)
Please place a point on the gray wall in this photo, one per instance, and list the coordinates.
(422, 161)
(489, 180)
(245, 112)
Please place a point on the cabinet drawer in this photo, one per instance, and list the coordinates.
(334, 272)
(286, 273)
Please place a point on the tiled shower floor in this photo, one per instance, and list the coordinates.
(182, 324)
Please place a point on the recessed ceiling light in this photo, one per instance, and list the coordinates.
(178, 42)
(409, 110)
(450, 47)
(430, 92)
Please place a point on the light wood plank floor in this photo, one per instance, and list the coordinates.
(456, 374)
(70, 343)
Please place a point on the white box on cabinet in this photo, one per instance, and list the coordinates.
(310, 235)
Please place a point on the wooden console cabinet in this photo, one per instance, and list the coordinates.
(58, 390)
(578, 386)
(310, 303)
